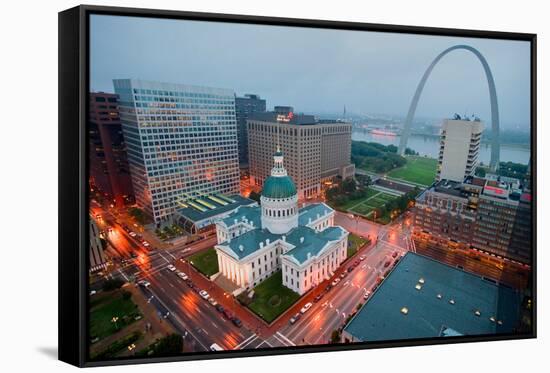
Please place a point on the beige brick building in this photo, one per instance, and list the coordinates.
(314, 150)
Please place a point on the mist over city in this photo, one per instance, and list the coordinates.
(315, 70)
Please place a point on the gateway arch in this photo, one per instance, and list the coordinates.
(495, 144)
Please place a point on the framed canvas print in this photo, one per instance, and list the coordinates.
(236, 186)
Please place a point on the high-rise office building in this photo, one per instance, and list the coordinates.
(459, 149)
(244, 107)
(181, 140)
(314, 150)
(109, 170)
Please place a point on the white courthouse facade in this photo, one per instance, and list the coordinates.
(256, 241)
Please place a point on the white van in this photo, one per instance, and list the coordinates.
(215, 347)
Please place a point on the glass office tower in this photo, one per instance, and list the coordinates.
(181, 142)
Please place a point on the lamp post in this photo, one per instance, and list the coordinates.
(114, 321)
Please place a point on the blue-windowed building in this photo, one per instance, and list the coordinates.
(181, 142)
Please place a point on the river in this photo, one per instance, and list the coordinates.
(429, 146)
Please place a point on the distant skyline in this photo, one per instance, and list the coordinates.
(315, 70)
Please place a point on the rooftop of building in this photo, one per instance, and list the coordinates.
(281, 116)
(313, 211)
(207, 206)
(423, 298)
(248, 214)
(249, 242)
(309, 243)
(492, 186)
(291, 118)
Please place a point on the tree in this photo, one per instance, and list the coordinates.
(349, 185)
(168, 346)
(112, 284)
(481, 171)
(335, 336)
(255, 196)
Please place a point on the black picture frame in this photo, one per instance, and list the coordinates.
(73, 170)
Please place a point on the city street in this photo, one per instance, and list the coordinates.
(316, 326)
(202, 325)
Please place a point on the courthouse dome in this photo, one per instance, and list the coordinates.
(279, 187)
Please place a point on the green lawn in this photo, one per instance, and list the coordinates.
(420, 170)
(352, 202)
(365, 206)
(271, 298)
(206, 261)
(354, 243)
(103, 311)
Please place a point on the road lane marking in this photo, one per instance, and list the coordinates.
(246, 342)
(285, 338)
(124, 275)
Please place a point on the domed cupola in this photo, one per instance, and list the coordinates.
(279, 200)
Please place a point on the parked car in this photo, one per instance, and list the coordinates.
(171, 267)
(394, 255)
(366, 295)
(306, 307)
(362, 257)
(132, 234)
(212, 301)
(295, 318)
(350, 268)
(183, 276)
(318, 297)
(220, 308)
(204, 294)
(237, 322)
(215, 347)
(343, 274)
(228, 314)
(387, 264)
(145, 243)
(335, 282)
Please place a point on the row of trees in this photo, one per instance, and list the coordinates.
(376, 157)
(508, 169)
(348, 189)
(397, 205)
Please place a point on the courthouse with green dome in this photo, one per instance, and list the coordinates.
(256, 241)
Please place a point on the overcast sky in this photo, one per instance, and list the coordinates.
(314, 70)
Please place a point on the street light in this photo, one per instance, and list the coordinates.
(114, 321)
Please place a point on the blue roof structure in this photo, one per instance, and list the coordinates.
(205, 207)
(313, 211)
(308, 242)
(242, 213)
(449, 302)
(279, 187)
(249, 242)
